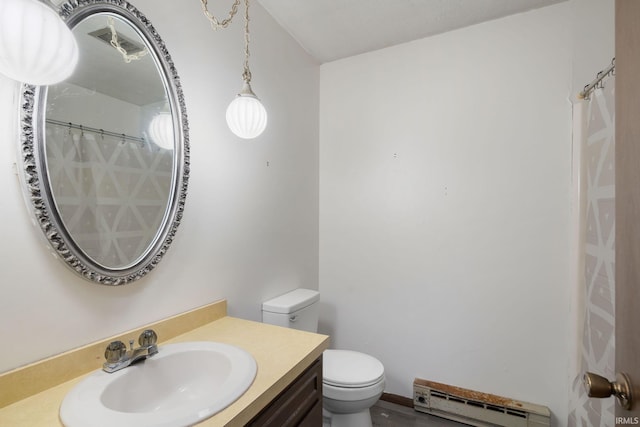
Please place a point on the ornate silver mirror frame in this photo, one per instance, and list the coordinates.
(34, 157)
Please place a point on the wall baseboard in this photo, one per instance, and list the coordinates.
(397, 399)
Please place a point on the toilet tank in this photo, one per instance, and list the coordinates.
(297, 309)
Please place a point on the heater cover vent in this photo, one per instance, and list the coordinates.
(476, 408)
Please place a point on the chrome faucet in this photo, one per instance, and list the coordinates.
(118, 357)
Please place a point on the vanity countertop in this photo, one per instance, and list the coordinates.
(281, 354)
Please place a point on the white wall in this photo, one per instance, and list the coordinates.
(593, 39)
(445, 205)
(249, 231)
(115, 115)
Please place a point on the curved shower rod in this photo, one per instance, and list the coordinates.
(597, 82)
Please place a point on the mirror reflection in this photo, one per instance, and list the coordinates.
(106, 153)
(110, 170)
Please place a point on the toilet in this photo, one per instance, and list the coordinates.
(352, 381)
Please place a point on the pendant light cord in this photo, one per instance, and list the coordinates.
(246, 74)
(216, 24)
(116, 45)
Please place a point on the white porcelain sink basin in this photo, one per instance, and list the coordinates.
(183, 384)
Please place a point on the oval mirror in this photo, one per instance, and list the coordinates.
(106, 152)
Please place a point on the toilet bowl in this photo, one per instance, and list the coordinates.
(352, 381)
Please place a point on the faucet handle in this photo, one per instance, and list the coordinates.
(115, 351)
(148, 338)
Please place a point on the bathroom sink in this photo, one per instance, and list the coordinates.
(181, 385)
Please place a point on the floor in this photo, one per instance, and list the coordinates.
(385, 414)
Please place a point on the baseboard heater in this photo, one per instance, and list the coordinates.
(476, 408)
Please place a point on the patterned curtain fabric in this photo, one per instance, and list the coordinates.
(111, 193)
(598, 346)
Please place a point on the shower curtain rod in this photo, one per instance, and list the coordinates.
(95, 130)
(596, 83)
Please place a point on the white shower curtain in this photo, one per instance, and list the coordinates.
(594, 244)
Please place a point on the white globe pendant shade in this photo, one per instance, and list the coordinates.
(36, 46)
(161, 130)
(246, 116)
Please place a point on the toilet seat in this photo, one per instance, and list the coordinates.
(351, 369)
(352, 394)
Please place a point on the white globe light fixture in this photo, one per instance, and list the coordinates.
(161, 130)
(36, 46)
(246, 116)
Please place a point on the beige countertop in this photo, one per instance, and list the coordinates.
(281, 354)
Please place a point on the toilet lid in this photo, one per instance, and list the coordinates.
(345, 368)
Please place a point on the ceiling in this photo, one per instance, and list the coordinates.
(102, 68)
(334, 29)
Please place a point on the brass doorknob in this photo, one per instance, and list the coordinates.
(598, 386)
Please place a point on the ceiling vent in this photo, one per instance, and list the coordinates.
(126, 43)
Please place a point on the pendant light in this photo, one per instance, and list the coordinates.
(161, 130)
(36, 46)
(246, 116)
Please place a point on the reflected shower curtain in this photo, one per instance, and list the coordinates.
(112, 194)
(595, 254)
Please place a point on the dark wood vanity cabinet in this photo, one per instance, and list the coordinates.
(300, 404)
